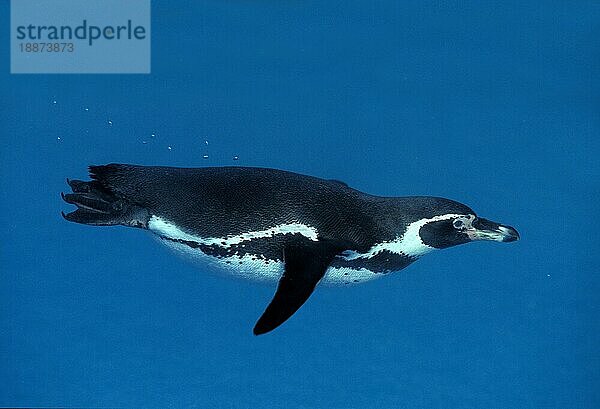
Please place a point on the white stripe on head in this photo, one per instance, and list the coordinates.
(409, 244)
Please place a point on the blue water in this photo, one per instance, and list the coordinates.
(496, 106)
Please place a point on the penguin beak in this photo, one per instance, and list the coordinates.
(483, 229)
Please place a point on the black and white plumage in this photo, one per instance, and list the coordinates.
(267, 224)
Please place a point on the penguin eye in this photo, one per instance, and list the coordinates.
(458, 224)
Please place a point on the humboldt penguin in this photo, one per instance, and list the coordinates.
(273, 225)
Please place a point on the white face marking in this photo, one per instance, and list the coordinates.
(464, 222)
(409, 244)
(168, 229)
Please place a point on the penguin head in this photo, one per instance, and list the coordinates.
(452, 229)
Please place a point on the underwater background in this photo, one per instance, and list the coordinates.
(493, 105)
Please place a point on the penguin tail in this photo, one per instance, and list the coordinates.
(98, 205)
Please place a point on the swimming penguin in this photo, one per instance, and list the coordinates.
(273, 225)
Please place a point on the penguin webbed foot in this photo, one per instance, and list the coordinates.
(98, 206)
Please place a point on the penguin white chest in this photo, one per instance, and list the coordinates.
(243, 266)
(218, 252)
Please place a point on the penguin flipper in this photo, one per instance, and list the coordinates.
(305, 265)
